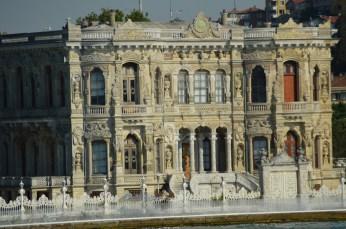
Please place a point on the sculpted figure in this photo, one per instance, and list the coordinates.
(238, 85)
(113, 93)
(169, 159)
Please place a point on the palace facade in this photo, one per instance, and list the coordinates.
(161, 101)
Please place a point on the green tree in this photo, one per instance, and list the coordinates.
(339, 130)
(104, 17)
(339, 61)
(136, 15)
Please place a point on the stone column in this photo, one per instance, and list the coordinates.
(201, 161)
(213, 151)
(228, 88)
(90, 159)
(192, 152)
(250, 155)
(108, 158)
(268, 147)
(177, 154)
(191, 89)
(229, 152)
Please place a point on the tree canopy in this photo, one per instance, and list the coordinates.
(339, 61)
(104, 16)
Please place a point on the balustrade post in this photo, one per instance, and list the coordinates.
(223, 183)
(143, 189)
(105, 188)
(64, 190)
(21, 192)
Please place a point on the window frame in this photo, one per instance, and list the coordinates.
(97, 88)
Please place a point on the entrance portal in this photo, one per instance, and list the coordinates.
(186, 160)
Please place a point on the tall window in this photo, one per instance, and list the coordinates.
(316, 159)
(157, 86)
(97, 87)
(259, 147)
(183, 87)
(206, 155)
(33, 91)
(291, 81)
(49, 88)
(4, 159)
(201, 87)
(130, 81)
(158, 156)
(20, 87)
(4, 92)
(62, 89)
(316, 79)
(258, 85)
(220, 87)
(99, 158)
(131, 155)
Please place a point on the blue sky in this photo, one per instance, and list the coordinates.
(37, 15)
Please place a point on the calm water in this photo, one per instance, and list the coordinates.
(312, 225)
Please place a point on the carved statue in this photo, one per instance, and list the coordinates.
(324, 84)
(76, 91)
(240, 153)
(238, 85)
(78, 159)
(325, 153)
(168, 155)
(77, 134)
(167, 86)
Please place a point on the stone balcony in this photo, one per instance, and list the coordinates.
(258, 108)
(96, 111)
(34, 182)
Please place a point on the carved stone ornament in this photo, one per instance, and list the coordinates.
(202, 28)
(99, 130)
(258, 124)
(78, 159)
(76, 90)
(77, 134)
(238, 85)
(169, 157)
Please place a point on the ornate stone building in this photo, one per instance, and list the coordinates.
(127, 100)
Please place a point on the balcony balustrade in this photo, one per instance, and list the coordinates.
(96, 110)
(133, 109)
(294, 107)
(258, 107)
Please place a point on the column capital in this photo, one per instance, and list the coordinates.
(229, 137)
(192, 137)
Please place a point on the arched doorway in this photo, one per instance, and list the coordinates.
(258, 85)
(291, 143)
(185, 151)
(131, 155)
(291, 81)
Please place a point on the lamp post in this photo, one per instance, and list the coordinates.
(21, 193)
(105, 189)
(64, 190)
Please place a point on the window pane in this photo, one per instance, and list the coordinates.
(99, 157)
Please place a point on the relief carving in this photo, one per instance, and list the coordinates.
(77, 136)
(97, 130)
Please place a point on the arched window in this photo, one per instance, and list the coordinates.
(20, 88)
(183, 87)
(33, 91)
(130, 83)
(62, 89)
(220, 87)
(99, 158)
(206, 154)
(97, 87)
(49, 86)
(131, 155)
(258, 85)
(4, 92)
(201, 87)
(291, 85)
(316, 83)
(291, 144)
(259, 147)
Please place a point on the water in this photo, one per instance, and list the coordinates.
(307, 225)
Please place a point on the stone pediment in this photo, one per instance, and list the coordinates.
(129, 31)
(291, 30)
(203, 28)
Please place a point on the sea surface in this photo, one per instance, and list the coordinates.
(307, 225)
